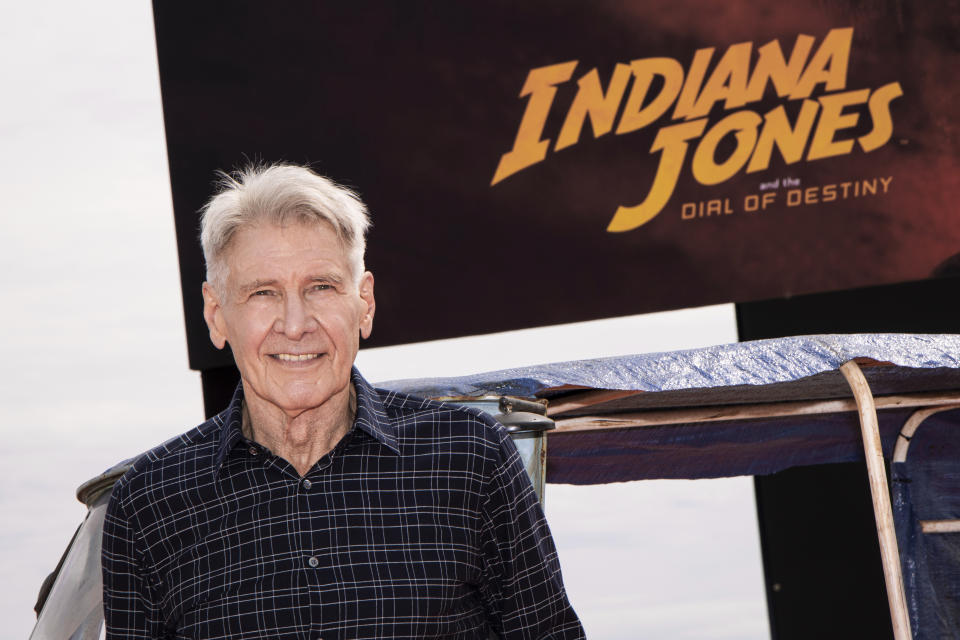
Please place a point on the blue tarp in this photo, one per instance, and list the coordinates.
(927, 487)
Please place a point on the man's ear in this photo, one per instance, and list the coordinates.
(370, 305)
(213, 314)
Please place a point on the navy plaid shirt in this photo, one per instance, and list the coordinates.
(421, 523)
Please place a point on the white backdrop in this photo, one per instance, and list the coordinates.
(94, 368)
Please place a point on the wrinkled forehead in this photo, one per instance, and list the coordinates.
(264, 244)
(270, 234)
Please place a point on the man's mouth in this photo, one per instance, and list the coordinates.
(295, 357)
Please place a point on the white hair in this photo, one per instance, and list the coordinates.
(280, 193)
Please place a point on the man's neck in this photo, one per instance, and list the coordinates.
(303, 439)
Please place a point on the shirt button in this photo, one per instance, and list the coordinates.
(307, 484)
(313, 562)
(252, 450)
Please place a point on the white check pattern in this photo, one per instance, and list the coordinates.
(421, 523)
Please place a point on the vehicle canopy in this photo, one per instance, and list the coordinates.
(748, 408)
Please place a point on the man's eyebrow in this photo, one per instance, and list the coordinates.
(329, 277)
(256, 284)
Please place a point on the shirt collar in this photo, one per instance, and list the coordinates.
(371, 414)
(371, 418)
(231, 432)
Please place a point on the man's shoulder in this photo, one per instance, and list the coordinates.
(182, 458)
(422, 419)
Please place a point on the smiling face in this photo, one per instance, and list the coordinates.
(293, 314)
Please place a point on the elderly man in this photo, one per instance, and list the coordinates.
(316, 506)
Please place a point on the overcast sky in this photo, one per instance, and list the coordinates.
(94, 366)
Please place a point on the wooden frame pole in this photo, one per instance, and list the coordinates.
(882, 510)
(909, 428)
(693, 415)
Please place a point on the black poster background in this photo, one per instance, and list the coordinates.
(413, 104)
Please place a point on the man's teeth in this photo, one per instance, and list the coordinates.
(292, 357)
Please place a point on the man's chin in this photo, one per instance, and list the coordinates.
(298, 400)
(293, 395)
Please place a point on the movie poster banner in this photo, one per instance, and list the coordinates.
(543, 162)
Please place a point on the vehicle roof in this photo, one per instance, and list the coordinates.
(737, 409)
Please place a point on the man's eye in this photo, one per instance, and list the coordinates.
(263, 292)
(321, 287)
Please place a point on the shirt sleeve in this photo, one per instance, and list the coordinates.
(522, 584)
(128, 602)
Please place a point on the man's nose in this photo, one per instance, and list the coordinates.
(296, 319)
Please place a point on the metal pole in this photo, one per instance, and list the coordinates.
(882, 511)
